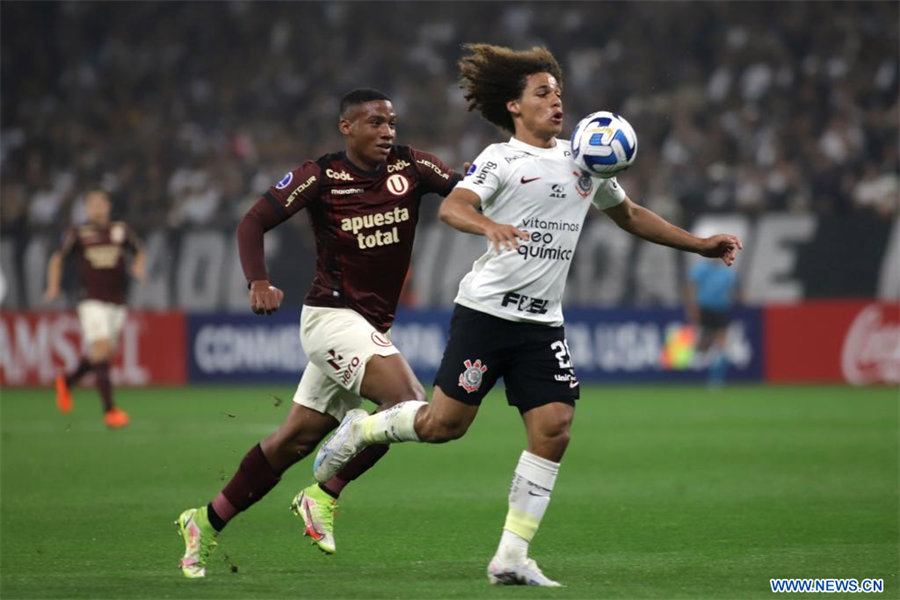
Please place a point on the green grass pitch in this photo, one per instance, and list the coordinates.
(665, 492)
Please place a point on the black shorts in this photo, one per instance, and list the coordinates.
(532, 359)
(713, 320)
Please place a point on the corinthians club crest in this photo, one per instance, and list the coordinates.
(470, 379)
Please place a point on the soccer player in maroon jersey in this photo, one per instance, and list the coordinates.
(363, 204)
(100, 246)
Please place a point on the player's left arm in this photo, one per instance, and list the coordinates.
(648, 225)
(139, 262)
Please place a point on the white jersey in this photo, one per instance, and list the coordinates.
(541, 191)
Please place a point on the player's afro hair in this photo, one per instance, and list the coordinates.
(359, 96)
(494, 75)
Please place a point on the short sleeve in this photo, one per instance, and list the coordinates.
(609, 193)
(436, 176)
(485, 175)
(298, 188)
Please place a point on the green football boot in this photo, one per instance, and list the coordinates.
(199, 540)
(317, 509)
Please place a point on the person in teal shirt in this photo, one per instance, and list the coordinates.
(711, 292)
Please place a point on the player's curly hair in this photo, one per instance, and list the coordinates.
(494, 75)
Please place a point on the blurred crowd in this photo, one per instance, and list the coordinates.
(186, 112)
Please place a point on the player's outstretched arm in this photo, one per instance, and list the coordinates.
(650, 226)
(139, 266)
(460, 211)
(262, 216)
(54, 276)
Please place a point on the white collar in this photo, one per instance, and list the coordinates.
(517, 143)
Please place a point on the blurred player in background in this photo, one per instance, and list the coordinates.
(363, 204)
(100, 246)
(710, 293)
(526, 197)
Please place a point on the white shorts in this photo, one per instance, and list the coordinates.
(101, 321)
(338, 342)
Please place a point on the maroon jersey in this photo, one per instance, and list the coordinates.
(364, 225)
(100, 252)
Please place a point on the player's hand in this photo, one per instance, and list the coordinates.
(264, 297)
(466, 165)
(139, 272)
(504, 237)
(722, 246)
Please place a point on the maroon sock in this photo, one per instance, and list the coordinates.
(361, 463)
(83, 367)
(253, 480)
(104, 386)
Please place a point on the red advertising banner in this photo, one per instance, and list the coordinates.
(34, 346)
(850, 341)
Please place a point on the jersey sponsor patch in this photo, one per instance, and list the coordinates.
(585, 184)
(472, 168)
(285, 181)
(470, 379)
(397, 184)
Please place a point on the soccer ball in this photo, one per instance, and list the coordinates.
(603, 144)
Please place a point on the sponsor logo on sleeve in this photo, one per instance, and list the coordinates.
(427, 163)
(285, 181)
(481, 176)
(299, 190)
(472, 168)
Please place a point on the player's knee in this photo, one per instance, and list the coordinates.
(555, 433)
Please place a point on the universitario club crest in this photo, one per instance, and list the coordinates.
(470, 379)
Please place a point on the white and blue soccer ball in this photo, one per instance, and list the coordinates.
(603, 144)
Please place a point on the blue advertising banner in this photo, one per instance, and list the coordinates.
(606, 346)
(245, 348)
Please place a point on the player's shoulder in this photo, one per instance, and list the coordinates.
(425, 161)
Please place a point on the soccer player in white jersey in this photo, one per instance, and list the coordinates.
(528, 199)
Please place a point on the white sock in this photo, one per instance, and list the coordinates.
(529, 496)
(396, 424)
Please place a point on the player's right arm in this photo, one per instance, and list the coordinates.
(460, 211)
(295, 190)
(462, 208)
(54, 266)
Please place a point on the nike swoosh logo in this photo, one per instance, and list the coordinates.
(528, 180)
(573, 384)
